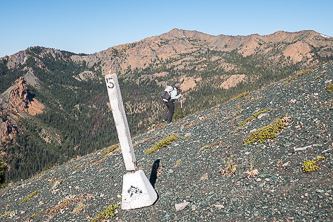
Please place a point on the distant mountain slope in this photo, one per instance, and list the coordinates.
(181, 48)
(210, 166)
(67, 92)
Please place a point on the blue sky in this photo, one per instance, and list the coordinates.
(89, 26)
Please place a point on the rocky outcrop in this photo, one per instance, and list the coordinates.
(16, 103)
(21, 101)
(17, 59)
(19, 96)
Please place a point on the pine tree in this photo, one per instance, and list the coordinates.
(2, 171)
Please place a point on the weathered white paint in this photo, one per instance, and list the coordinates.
(137, 191)
(120, 120)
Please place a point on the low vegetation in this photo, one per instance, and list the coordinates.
(304, 72)
(109, 212)
(241, 95)
(255, 115)
(30, 196)
(163, 143)
(76, 167)
(144, 141)
(266, 132)
(62, 205)
(230, 168)
(35, 214)
(111, 149)
(230, 116)
(7, 214)
(311, 165)
(318, 77)
(78, 208)
(209, 146)
(178, 162)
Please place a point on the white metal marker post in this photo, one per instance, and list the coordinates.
(137, 191)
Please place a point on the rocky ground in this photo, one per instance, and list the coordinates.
(208, 167)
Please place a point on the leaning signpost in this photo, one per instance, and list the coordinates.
(137, 191)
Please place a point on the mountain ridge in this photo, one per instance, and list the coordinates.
(217, 42)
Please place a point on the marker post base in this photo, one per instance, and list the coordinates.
(137, 191)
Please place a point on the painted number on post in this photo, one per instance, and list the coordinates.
(109, 83)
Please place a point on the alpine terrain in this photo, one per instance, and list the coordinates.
(54, 106)
(264, 155)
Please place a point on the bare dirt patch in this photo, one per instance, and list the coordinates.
(297, 51)
(189, 82)
(35, 107)
(233, 81)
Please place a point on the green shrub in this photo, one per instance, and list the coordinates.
(7, 213)
(320, 158)
(111, 149)
(77, 166)
(241, 95)
(318, 77)
(311, 165)
(30, 196)
(109, 212)
(163, 143)
(266, 132)
(246, 121)
(260, 112)
(255, 115)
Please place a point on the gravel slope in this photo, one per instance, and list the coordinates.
(268, 183)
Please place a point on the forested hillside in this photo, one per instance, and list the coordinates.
(76, 120)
